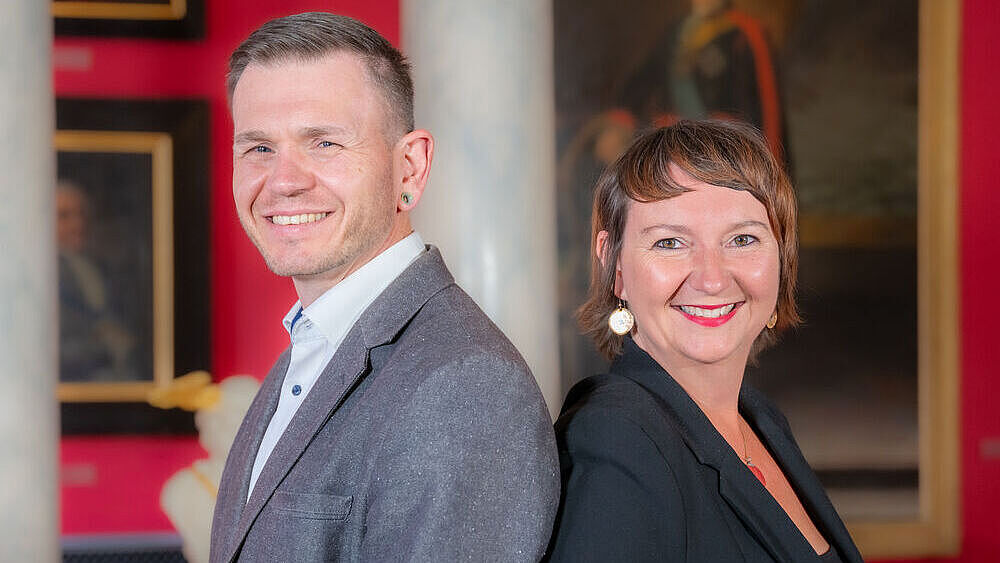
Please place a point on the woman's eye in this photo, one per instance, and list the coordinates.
(327, 144)
(744, 240)
(668, 243)
(260, 148)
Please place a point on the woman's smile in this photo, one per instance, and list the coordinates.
(709, 315)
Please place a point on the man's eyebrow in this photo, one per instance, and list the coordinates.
(251, 136)
(320, 131)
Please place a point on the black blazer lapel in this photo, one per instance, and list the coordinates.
(239, 464)
(772, 429)
(751, 502)
(762, 515)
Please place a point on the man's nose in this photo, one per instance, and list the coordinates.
(290, 175)
(709, 273)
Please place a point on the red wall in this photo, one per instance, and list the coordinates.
(979, 165)
(247, 301)
(980, 259)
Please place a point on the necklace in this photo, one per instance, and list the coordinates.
(748, 462)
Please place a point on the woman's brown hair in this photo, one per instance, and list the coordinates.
(720, 153)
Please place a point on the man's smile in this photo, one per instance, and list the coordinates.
(297, 219)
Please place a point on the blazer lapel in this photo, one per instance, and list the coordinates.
(339, 376)
(802, 478)
(379, 324)
(755, 507)
(239, 464)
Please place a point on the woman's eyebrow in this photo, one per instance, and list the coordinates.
(665, 227)
(751, 223)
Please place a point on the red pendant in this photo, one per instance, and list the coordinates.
(757, 473)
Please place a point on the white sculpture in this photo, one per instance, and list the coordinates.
(188, 496)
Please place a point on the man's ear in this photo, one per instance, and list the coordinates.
(601, 250)
(413, 155)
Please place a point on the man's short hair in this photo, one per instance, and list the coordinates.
(312, 35)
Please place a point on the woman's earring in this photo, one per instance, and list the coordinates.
(773, 320)
(406, 197)
(621, 320)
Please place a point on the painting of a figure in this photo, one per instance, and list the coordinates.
(832, 85)
(131, 206)
(104, 235)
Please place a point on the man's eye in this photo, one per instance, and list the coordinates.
(327, 144)
(260, 148)
(668, 243)
(744, 240)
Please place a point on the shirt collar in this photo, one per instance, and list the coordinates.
(336, 311)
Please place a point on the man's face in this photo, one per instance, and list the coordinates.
(312, 166)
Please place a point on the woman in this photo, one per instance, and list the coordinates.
(670, 456)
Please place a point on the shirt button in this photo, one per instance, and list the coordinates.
(296, 390)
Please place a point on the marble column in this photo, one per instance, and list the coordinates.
(484, 88)
(29, 431)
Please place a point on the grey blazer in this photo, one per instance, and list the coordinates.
(424, 439)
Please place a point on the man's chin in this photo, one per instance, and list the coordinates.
(296, 271)
(302, 268)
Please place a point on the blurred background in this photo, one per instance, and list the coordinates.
(884, 113)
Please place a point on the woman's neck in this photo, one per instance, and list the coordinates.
(714, 387)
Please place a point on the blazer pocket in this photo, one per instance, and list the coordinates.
(314, 506)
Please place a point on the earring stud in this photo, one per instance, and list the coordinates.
(773, 320)
(406, 197)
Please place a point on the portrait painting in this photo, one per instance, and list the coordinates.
(833, 88)
(114, 266)
(131, 205)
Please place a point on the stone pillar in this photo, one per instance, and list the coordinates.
(484, 88)
(29, 431)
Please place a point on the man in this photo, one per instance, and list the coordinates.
(400, 424)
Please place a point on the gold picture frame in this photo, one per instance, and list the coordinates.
(159, 146)
(145, 19)
(937, 530)
(170, 10)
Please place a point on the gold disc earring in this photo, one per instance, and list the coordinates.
(773, 320)
(621, 320)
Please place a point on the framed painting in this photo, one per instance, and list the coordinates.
(131, 204)
(114, 206)
(162, 19)
(858, 100)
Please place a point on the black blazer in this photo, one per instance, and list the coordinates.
(646, 477)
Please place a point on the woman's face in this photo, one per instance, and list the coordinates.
(700, 272)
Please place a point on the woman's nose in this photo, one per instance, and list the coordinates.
(709, 273)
